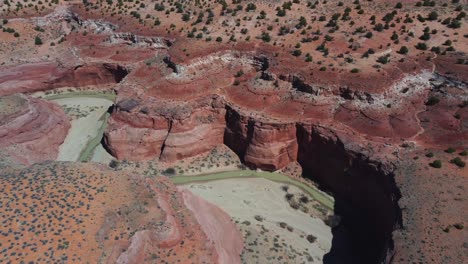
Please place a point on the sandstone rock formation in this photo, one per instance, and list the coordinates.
(31, 129)
(44, 76)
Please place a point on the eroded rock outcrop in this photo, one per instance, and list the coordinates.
(28, 78)
(171, 132)
(261, 144)
(218, 227)
(31, 129)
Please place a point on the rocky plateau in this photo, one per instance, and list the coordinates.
(369, 136)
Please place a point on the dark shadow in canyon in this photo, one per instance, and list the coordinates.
(364, 189)
(117, 71)
(365, 198)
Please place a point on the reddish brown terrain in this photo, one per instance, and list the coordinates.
(31, 129)
(88, 213)
(369, 98)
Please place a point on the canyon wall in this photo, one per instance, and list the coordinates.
(366, 196)
(49, 75)
(170, 134)
(31, 129)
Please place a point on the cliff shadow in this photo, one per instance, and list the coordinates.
(365, 197)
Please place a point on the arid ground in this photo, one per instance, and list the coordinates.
(241, 131)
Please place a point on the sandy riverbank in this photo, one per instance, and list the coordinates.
(248, 199)
(87, 115)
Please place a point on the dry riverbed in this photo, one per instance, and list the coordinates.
(88, 117)
(274, 232)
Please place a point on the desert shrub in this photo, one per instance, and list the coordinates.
(430, 155)
(432, 101)
(297, 53)
(436, 164)
(266, 37)
(450, 150)
(464, 153)
(113, 164)
(403, 50)
(37, 40)
(169, 172)
(432, 16)
(355, 70)
(304, 199)
(421, 46)
(294, 204)
(383, 59)
(457, 161)
(311, 238)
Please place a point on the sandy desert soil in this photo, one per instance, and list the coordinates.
(68, 212)
(250, 199)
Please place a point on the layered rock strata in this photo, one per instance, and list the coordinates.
(31, 129)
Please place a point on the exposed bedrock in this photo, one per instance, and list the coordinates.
(365, 192)
(261, 144)
(363, 186)
(31, 129)
(170, 133)
(344, 137)
(33, 77)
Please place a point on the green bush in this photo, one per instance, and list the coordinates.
(421, 46)
(432, 100)
(383, 59)
(169, 172)
(457, 161)
(450, 150)
(436, 164)
(311, 238)
(403, 50)
(266, 37)
(430, 155)
(297, 53)
(38, 40)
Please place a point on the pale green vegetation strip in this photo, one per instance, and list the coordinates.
(316, 194)
(88, 151)
(95, 94)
